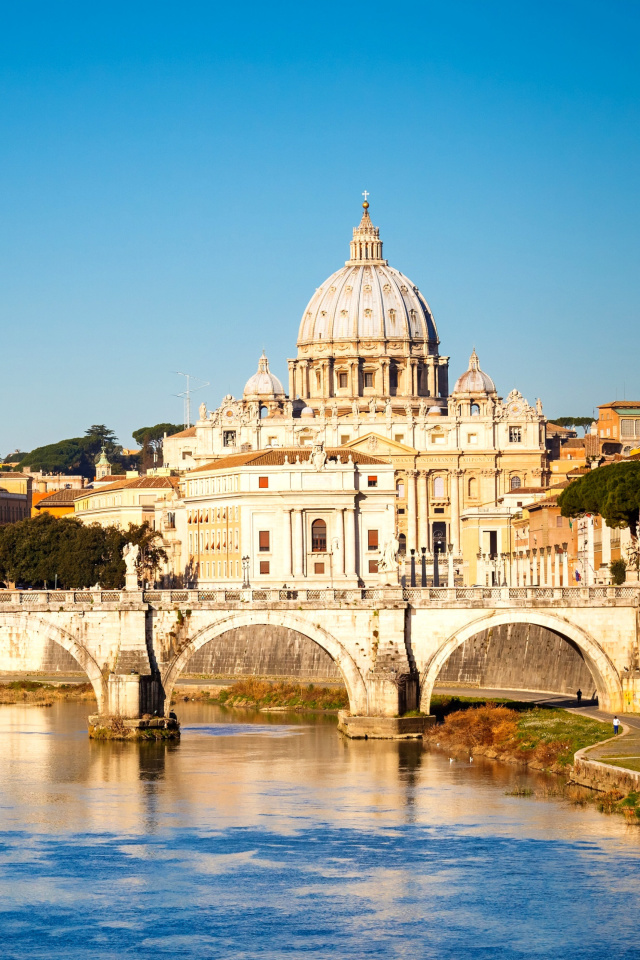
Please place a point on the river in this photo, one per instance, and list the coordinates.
(270, 836)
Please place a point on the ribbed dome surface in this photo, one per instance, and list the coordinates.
(474, 380)
(367, 302)
(263, 383)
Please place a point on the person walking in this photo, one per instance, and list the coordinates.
(616, 725)
(579, 695)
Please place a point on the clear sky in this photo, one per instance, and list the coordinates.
(176, 179)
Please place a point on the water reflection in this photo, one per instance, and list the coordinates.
(269, 835)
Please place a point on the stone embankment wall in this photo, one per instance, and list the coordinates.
(519, 656)
(263, 651)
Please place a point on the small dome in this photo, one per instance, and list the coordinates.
(263, 384)
(474, 380)
(307, 412)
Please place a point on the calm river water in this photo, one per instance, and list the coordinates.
(269, 836)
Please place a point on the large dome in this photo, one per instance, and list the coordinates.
(368, 300)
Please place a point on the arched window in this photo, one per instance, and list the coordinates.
(319, 536)
(402, 545)
(438, 487)
(263, 412)
(475, 409)
(473, 488)
(400, 489)
(515, 483)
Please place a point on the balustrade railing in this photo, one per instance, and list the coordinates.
(320, 595)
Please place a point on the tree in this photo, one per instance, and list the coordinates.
(43, 549)
(150, 439)
(618, 570)
(78, 455)
(613, 492)
(584, 422)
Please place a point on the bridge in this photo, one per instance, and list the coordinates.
(388, 643)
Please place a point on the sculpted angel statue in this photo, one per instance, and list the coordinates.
(202, 410)
(388, 562)
(130, 557)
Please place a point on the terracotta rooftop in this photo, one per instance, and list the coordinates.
(626, 404)
(60, 497)
(189, 432)
(152, 483)
(275, 458)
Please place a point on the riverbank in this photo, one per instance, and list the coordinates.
(278, 695)
(542, 738)
(44, 694)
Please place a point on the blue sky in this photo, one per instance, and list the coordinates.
(176, 179)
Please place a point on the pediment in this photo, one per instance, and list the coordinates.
(376, 445)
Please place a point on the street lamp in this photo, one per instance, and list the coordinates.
(245, 573)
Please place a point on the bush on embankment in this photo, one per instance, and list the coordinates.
(540, 737)
(33, 691)
(250, 692)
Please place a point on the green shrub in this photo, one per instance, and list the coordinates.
(618, 570)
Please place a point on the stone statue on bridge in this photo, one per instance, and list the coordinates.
(388, 562)
(130, 555)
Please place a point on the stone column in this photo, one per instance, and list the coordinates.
(606, 544)
(565, 567)
(304, 379)
(354, 378)
(423, 508)
(298, 544)
(292, 379)
(350, 542)
(454, 480)
(515, 580)
(411, 509)
(534, 573)
(480, 571)
(590, 552)
(287, 570)
(549, 568)
(339, 558)
(450, 573)
(556, 567)
(384, 365)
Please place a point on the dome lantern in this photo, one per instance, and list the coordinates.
(366, 246)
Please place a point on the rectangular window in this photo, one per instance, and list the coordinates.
(372, 539)
(342, 381)
(558, 521)
(263, 483)
(368, 379)
(344, 438)
(472, 438)
(399, 438)
(263, 541)
(372, 481)
(515, 434)
(264, 566)
(373, 566)
(318, 568)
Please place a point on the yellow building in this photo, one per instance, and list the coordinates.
(15, 496)
(126, 502)
(60, 503)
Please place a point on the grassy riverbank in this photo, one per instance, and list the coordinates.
(33, 691)
(250, 692)
(539, 737)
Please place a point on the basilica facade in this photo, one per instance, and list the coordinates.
(368, 378)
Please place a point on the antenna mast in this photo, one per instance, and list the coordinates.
(186, 394)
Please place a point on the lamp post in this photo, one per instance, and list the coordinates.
(423, 560)
(413, 567)
(245, 573)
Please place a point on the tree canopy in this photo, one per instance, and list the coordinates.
(150, 439)
(33, 552)
(573, 421)
(78, 455)
(612, 491)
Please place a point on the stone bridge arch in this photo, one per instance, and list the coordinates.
(30, 625)
(356, 688)
(605, 675)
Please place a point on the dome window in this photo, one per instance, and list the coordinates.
(475, 409)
